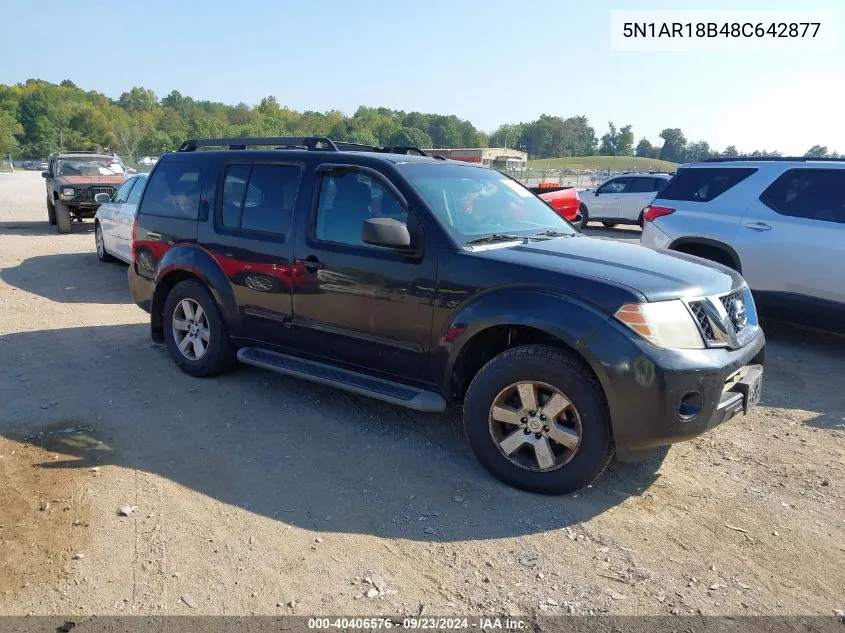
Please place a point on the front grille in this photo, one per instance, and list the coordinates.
(87, 195)
(728, 301)
(703, 321)
(723, 320)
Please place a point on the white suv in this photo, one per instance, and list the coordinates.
(621, 200)
(779, 222)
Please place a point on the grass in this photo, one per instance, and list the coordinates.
(610, 163)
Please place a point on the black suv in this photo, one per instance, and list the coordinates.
(426, 283)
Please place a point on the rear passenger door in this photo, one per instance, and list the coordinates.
(792, 239)
(251, 242)
(638, 194)
(364, 306)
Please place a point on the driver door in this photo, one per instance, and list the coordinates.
(357, 310)
(606, 200)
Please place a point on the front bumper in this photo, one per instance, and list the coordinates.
(649, 389)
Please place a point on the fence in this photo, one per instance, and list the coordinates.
(579, 178)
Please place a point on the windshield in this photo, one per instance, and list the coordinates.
(473, 202)
(89, 167)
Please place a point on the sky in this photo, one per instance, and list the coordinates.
(489, 61)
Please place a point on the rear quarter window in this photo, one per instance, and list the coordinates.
(815, 194)
(704, 183)
(173, 190)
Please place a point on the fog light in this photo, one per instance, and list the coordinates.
(691, 405)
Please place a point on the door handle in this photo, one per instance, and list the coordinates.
(758, 226)
(311, 263)
(154, 236)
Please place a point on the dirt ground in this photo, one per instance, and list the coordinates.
(255, 493)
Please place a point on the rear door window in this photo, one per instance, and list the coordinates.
(702, 184)
(260, 197)
(137, 190)
(642, 185)
(815, 194)
(122, 194)
(173, 190)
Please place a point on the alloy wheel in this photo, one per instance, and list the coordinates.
(190, 329)
(535, 426)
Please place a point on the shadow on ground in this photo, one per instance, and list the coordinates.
(804, 369)
(300, 453)
(43, 228)
(70, 278)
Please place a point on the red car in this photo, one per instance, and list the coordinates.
(564, 200)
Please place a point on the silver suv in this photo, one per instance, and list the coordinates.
(621, 199)
(780, 222)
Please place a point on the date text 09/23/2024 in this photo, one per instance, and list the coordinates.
(417, 623)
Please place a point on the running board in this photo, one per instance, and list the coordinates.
(362, 384)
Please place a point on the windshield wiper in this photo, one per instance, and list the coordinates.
(552, 233)
(496, 237)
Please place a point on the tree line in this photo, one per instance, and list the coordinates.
(39, 117)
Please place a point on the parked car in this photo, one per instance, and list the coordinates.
(564, 200)
(73, 181)
(114, 219)
(437, 283)
(621, 200)
(778, 221)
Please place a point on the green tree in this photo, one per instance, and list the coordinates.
(817, 151)
(674, 145)
(609, 141)
(410, 137)
(730, 152)
(644, 149)
(10, 129)
(625, 144)
(138, 99)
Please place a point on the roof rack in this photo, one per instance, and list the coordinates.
(310, 143)
(803, 159)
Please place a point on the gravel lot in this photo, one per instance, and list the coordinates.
(255, 493)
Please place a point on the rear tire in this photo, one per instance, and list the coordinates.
(51, 212)
(640, 220)
(551, 370)
(63, 218)
(206, 326)
(609, 225)
(102, 254)
(582, 218)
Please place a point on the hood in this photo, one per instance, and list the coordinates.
(658, 276)
(117, 179)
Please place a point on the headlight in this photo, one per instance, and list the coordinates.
(67, 192)
(665, 324)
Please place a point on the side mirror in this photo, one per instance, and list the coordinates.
(45, 174)
(386, 232)
(102, 198)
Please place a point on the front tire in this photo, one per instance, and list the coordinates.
(581, 218)
(51, 212)
(194, 331)
(102, 254)
(62, 218)
(536, 419)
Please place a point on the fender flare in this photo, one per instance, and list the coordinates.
(711, 243)
(561, 316)
(188, 258)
